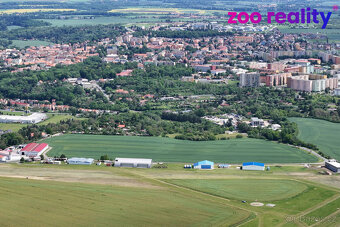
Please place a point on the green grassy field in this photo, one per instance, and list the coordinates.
(324, 134)
(100, 195)
(261, 189)
(45, 202)
(171, 150)
(53, 118)
(102, 20)
(321, 213)
(24, 43)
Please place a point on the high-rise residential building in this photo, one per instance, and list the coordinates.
(277, 79)
(250, 79)
(309, 83)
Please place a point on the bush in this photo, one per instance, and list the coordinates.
(239, 136)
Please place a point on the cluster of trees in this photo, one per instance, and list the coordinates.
(189, 34)
(65, 34)
(288, 134)
(22, 21)
(25, 85)
(181, 117)
(200, 136)
(164, 81)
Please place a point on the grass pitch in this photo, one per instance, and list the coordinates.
(171, 150)
(322, 133)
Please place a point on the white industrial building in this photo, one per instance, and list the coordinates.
(133, 162)
(31, 119)
(253, 166)
(333, 166)
(80, 161)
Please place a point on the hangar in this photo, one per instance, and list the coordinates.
(133, 162)
(80, 161)
(204, 165)
(333, 165)
(253, 166)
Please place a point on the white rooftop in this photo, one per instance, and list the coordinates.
(133, 160)
(335, 164)
(34, 116)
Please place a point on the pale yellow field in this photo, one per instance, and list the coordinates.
(11, 11)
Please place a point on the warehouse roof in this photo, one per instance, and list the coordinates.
(205, 162)
(74, 159)
(253, 164)
(36, 147)
(133, 160)
(34, 116)
(335, 164)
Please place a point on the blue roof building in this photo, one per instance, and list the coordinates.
(204, 165)
(253, 166)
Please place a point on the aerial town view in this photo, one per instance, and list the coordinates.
(170, 113)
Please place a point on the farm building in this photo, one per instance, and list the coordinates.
(31, 119)
(253, 166)
(80, 161)
(34, 149)
(204, 165)
(133, 162)
(333, 166)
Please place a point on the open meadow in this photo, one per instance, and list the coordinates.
(52, 118)
(25, 43)
(12, 11)
(156, 197)
(172, 150)
(323, 134)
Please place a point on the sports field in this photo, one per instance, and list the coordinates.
(171, 150)
(322, 133)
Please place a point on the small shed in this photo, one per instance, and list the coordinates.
(204, 165)
(253, 166)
